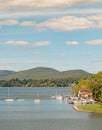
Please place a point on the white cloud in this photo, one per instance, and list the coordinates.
(26, 43)
(44, 43)
(94, 42)
(70, 23)
(28, 23)
(18, 43)
(46, 12)
(9, 22)
(6, 4)
(96, 19)
(72, 43)
(67, 23)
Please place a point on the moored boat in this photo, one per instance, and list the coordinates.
(37, 100)
(9, 99)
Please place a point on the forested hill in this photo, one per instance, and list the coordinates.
(46, 73)
(6, 72)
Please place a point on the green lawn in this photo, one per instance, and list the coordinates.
(91, 108)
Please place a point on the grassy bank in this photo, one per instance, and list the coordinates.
(91, 108)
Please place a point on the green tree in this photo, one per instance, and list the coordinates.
(83, 83)
(93, 84)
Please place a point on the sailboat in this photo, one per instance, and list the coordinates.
(54, 97)
(8, 99)
(59, 97)
(37, 100)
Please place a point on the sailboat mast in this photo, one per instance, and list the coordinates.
(37, 94)
(8, 99)
(8, 93)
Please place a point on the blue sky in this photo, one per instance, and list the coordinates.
(60, 34)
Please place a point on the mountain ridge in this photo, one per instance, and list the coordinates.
(45, 73)
(6, 72)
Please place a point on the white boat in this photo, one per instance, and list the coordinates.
(37, 100)
(53, 97)
(58, 97)
(9, 99)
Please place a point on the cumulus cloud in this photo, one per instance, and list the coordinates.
(70, 23)
(17, 43)
(43, 43)
(67, 23)
(94, 42)
(96, 19)
(28, 23)
(64, 23)
(26, 43)
(5, 4)
(9, 22)
(72, 43)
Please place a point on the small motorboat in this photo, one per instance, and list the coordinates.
(37, 100)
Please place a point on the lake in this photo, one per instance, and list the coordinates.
(48, 115)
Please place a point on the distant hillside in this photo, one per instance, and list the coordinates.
(47, 73)
(75, 73)
(6, 73)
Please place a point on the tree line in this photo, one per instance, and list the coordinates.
(93, 84)
(37, 83)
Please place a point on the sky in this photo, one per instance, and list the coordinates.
(60, 34)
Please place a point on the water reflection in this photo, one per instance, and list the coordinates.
(95, 115)
(48, 115)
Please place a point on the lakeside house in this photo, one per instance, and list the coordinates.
(84, 97)
(84, 93)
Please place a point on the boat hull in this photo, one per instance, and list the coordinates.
(9, 100)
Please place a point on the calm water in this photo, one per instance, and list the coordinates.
(48, 115)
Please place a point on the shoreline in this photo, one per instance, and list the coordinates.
(80, 110)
